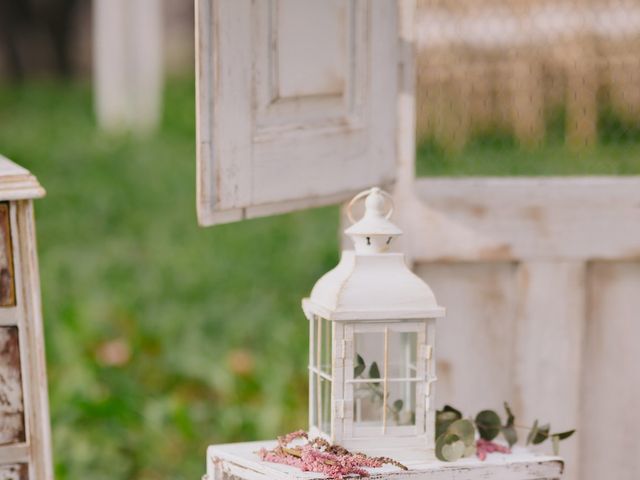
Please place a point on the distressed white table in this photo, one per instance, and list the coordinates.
(239, 461)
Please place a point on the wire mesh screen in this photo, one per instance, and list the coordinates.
(528, 87)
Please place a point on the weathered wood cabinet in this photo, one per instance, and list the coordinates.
(25, 450)
(238, 461)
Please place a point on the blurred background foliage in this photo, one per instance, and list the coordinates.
(161, 337)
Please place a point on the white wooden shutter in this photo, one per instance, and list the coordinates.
(296, 103)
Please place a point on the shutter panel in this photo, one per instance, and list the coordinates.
(296, 103)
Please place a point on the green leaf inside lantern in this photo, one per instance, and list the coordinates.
(374, 371)
(360, 366)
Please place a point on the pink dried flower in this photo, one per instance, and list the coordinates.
(484, 447)
(320, 456)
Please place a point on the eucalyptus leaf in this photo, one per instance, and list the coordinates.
(360, 366)
(470, 451)
(397, 405)
(449, 447)
(510, 417)
(510, 435)
(564, 435)
(541, 435)
(453, 451)
(443, 420)
(533, 432)
(465, 430)
(449, 408)
(489, 424)
(374, 371)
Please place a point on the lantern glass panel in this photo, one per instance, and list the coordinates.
(385, 378)
(401, 408)
(369, 351)
(324, 345)
(403, 347)
(320, 373)
(367, 404)
(324, 406)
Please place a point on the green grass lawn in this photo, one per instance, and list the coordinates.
(163, 337)
(616, 152)
(211, 317)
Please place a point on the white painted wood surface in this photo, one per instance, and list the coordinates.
(568, 218)
(128, 63)
(25, 440)
(296, 103)
(240, 461)
(515, 261)
(539, 275)
(540, 279)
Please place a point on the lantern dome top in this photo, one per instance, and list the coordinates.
(374, 232)
(371, 283)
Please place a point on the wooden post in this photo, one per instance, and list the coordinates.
(549, 338)
(128, 64)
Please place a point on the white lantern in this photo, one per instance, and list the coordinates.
(372, 333)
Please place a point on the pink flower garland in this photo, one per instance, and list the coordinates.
(320, 456)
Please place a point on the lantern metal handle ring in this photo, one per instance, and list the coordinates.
(365, 193)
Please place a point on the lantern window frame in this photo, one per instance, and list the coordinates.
(317, 347)
(423, 377)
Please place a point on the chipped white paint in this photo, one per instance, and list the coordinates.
(274, 136)
(11, 401)
(240, 461)
(29, 451)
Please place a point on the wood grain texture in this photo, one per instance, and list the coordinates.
(24, 411)
(33, 353)
(475, 340)
(275, 135)
(610, 374)
(16, 471)
(7, 277)
(548, 349)
(480, 219)
(17, 183)
(12, 427)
